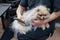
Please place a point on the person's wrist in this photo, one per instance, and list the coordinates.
(46, 21)
(20, 17)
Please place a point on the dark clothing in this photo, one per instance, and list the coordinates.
(54, 5)
(30, 37)
(39, 33)
(8, 34)
(33, 3)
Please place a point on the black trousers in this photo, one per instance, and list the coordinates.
(33, 35)
(8, 34)
(26, 38)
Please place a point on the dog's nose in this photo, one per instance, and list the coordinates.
(43, 18)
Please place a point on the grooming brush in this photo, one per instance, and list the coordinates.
(26, 23)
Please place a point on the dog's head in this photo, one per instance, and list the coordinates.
(42, 12)
(39, 12)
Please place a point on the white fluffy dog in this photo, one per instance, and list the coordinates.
(41, 12)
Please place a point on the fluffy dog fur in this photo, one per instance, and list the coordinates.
(41, 12)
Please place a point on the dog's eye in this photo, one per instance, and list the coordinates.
(44, 15)
(38, 10)
(40, 15)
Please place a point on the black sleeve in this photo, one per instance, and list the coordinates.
(24, 3)
(56, 5)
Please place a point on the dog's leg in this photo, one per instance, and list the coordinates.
(47, 25)
(35, 27)
(43, 27)
(22, 32)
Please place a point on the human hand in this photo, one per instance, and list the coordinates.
(21, 21)
(46, 21)
(20, 18)
(37, 22)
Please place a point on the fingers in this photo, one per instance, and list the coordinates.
(37, 22)
(33, 23)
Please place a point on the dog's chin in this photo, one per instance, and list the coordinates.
(42, 19)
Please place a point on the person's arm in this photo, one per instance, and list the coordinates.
(19, 11)
(53, 16)
(56, 11)
(22, 6)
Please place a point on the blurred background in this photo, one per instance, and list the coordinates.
(8, 12)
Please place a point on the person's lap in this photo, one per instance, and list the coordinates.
(33, 35)
(7, 34)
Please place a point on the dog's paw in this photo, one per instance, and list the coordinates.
(47, 26)
(22, 32)
(43, 28)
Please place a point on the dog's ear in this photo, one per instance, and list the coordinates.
(38, 10)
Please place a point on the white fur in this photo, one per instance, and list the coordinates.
(20, 28)
(28, 16)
